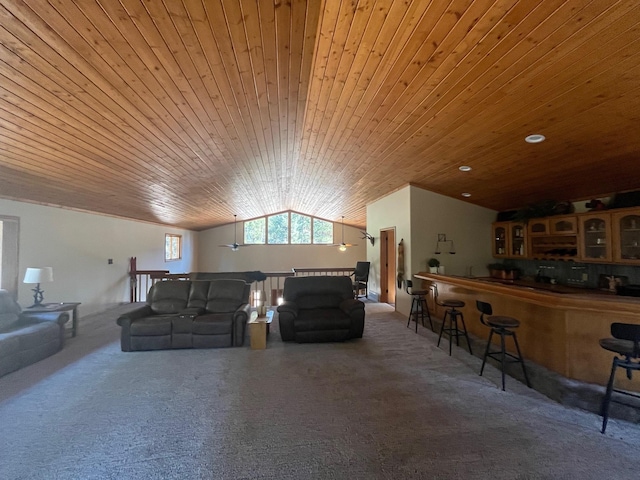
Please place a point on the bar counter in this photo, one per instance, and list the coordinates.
(559, 326)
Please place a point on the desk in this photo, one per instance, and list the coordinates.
(259, 329)
(60, 307)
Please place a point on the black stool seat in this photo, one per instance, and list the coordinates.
(625, 342)
(452, 330)
(419, 307)
(497, 321)
(615, 345)
(505, 327)
(452, 303)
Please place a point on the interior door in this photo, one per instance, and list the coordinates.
(388, 266)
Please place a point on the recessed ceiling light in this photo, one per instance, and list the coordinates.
(464, 168)
(535, 138)
(465, 194)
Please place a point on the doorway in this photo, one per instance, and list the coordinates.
(388, 266)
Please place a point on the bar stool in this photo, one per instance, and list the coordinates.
(625, 342)
(505, 327)
(418, 305)
(452, 330)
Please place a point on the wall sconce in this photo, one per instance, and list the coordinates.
(442, 238)
(38, 276)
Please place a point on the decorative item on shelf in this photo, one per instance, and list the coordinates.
(433, 264)
(595, 205)
(38, 276)
(442, 238)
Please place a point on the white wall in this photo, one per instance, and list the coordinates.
(77, 246)
(469, 226)
(392, 211)
(275, 258)
(418, 216)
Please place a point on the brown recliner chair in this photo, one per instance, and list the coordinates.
(320, 309)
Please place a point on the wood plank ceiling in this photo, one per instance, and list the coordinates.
(186, 112)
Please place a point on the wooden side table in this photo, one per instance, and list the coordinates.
(60, 307)
(259, 329)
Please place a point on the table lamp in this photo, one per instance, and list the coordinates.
(38, 276)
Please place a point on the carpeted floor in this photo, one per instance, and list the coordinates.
(389, 406)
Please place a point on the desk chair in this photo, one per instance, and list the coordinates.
(418, 305)
(361, 279)
(505, 327)
(453, 314)
(626, 343)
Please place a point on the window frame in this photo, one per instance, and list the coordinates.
(168, 252)
(265, 219)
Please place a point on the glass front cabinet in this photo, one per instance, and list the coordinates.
(509, 240)
(595, 238)
(499, 239)
(626, 236)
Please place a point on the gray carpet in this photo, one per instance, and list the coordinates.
(389, 406)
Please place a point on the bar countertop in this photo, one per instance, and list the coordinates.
(560, 326)
(544, 293)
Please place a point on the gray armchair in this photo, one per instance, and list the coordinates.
(320, 309)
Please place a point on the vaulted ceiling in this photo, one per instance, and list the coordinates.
(187, 112)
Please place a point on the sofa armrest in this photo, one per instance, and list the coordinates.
(351, 306)
(240, 319)
(289, 307)
(287, 313)
(127, 318)
(59, 317)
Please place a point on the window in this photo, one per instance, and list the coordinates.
(254, 231)
(172, 247)
(278, 229)
(288, 228)
(322, 231)
(9, 231)
(300, 228)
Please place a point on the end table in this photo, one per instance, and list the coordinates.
(60, 307)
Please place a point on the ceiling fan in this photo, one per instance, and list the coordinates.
(343, 246)
(235, 245)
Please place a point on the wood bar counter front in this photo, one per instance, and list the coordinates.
(559, 328)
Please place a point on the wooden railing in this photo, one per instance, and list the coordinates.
(142, 280)
(335, 271)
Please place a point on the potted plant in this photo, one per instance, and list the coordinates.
(433, 264)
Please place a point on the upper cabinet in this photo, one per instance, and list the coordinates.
(565, 225)
(509, 240)
(626, 236)
(595, 237)
(538, 227)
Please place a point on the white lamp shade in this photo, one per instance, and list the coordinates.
(38, 275)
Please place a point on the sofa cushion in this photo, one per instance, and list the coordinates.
(151, 326)
(213, 324)
(321, 319)
(169, 296)
(317, 292)
(226, 296)
(7, 321)
(34, 335)
(9, 344)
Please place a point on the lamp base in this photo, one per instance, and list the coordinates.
(38, 296)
